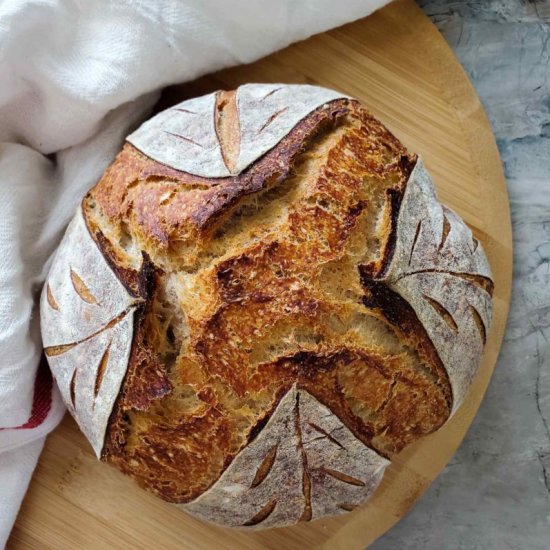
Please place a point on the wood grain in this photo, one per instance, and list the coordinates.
(400, 67)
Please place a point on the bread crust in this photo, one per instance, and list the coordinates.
(294, 278)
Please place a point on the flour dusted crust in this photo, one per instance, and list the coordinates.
(441, 270)
(261, 302)
(304, 465)
(185, 137)
(87, 325)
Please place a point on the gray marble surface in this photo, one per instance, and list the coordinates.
(495, 493)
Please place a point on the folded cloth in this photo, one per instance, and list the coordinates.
(76, 77)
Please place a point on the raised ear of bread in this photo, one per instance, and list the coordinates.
(260, 303)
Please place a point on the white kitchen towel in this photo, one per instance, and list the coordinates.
(75, 77)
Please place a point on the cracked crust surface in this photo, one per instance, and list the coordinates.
(281, 282)
(271, 296)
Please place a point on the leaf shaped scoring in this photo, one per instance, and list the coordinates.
(51, 299)
(303, 465)
(83, 361)
(82, 289)
(441, 270)
(101, 369)
(227, 128)
(88, 337)
(187, 137)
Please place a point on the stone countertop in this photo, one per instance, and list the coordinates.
(495, 493)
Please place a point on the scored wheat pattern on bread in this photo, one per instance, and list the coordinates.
(304, 456)
(88, 338)
(300, 307)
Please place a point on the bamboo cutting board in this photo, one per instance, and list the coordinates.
(400, 67)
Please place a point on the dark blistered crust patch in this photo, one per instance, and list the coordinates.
(146, 379)
(401, 316)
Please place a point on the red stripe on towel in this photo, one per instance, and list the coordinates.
(42, 400)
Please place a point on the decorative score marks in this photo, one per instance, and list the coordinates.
(87, 326)
(220, 134)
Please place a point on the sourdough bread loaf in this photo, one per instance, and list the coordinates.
(260, 303)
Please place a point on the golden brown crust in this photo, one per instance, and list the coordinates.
(272, 294)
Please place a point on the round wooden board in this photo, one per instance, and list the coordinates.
(400, 67)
